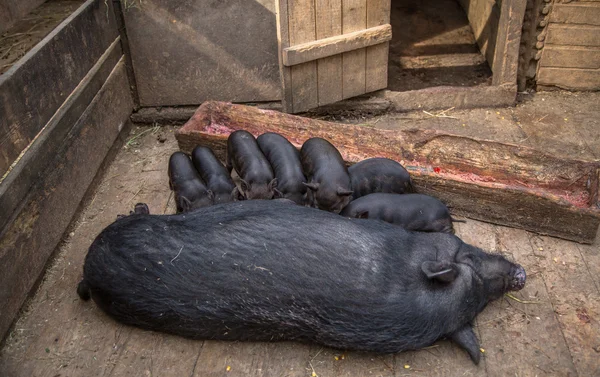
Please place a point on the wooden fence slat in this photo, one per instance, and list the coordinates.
(329, 70)
(283, 37)
(326, 47)
(303, 76)
(378, 13)
(354, 18)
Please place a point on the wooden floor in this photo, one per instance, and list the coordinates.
(550, 329)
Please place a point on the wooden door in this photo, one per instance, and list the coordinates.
(330, 50)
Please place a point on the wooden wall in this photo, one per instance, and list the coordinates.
(11, 11)
(62, 107)
(570, 57)
(189, 51)
(484, 16)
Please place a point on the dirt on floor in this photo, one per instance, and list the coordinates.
(550, 328)
(433, 45)
(560, 123)
(31, 29)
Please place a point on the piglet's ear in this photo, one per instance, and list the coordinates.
(443, 272)
(185, 204)
(273, 184)
(244, 186)
(343, 192)
(362, 215)
(278, 194)
(313, 185)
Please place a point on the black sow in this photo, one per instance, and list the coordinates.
(264, 271)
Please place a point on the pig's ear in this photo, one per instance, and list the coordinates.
(362, 215)
(278, 194)
(441, 271)
(343, 192)
(313, 185)
(273, 184)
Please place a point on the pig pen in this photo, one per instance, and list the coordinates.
(549, 328)
(70, 159)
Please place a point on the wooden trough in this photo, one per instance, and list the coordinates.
(500, 183)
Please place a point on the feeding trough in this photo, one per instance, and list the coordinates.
(500, 183)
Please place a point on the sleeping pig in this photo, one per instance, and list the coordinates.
(411, 211)
(327, 175)
(379, 175)
(251, 165)
(268, 271)
(190, 191)
(285, 161)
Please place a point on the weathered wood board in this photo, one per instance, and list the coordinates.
(34, 232)
(331, 50)
(190, 51)
(495, 182)
(34, 88)
(39, 155)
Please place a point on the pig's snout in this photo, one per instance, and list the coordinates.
(518, 278)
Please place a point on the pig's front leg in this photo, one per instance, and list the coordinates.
(465, 337)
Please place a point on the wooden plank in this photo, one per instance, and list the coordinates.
(508, 40)
(484, 17)
(200, 50)
(283, 42)
(354, 18)
(79, 337)
(376, 76)
(573, 13)
(322, 48)
(569, 78)
(15, 185)
(34, 88)
(574, 297)
(329, 70)
(28, 241)
(522, 339)
(446, 97)
(496, 182)
(243, 359)
(304, 89)
(571, 57)
(573, 35)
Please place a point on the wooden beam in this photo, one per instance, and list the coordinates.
(338, 44)
(34, 88)
(33, 233)
(39, 155)
(501, 183)
(508, 40)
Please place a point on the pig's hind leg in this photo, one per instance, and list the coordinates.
(465, 337)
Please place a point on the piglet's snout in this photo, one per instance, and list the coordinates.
(518, 278)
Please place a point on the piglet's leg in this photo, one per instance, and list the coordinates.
(465, 337)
